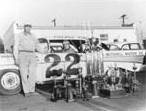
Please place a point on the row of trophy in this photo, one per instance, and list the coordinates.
(70, 89)
(115, 82)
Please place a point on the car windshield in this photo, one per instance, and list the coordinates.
(56, 46)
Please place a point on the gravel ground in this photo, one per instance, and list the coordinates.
(131, 102)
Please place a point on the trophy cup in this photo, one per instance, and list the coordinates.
(134, 80)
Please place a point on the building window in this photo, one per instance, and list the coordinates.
(104, 37)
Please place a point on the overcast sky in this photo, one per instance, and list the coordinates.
(71, 12)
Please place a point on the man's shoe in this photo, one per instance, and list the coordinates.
(71, 100)
(27, 95)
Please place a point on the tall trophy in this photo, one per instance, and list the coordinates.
(94, 67)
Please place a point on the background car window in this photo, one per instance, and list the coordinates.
(114, 47)
(125, 47)
(134, 46)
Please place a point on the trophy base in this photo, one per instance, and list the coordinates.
(71, 100)
(112, 93)
(95, 97)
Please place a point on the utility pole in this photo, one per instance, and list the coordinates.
(123, 19)
(54, 21)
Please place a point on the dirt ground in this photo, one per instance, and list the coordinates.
(40, 102)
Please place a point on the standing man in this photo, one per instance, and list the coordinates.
(24, 52)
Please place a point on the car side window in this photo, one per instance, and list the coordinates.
(125, 47)
(114, 47)
(134, 47)
(44, 45)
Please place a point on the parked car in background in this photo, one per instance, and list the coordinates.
(124, 46)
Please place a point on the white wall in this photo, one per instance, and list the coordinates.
(119, 34)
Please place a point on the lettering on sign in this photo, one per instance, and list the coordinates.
(70, 37)
(124, 54)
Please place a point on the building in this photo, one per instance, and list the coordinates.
(104, 33)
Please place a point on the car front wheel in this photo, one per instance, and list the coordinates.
(10, 82)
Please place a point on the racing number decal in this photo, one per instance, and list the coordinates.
(54, 72)
(69, 70)
(57, 60)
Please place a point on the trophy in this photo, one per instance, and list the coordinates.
(76, 91)
(54, 97)
(134, 80)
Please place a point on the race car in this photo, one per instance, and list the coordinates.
(55, 63)
(52, 63)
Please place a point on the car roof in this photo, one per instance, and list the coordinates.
(65, 37)
(56, 44)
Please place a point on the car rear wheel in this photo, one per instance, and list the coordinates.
(10, 82)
